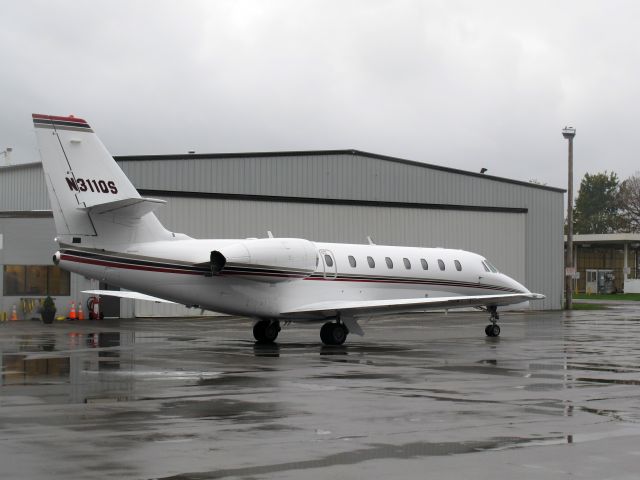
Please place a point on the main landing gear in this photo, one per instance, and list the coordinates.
(493, 329)
(266, 331)
(333, 333)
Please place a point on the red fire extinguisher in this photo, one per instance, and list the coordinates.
(93, 307)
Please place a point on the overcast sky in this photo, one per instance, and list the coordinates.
(464, 84)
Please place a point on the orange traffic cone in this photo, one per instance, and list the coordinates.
(72, 312)
(80, 312)
(14, 314)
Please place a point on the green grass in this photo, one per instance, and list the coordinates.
(632, 297)
(588, 306)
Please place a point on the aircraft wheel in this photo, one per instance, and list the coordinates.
(492, 330)
(271, 331)
(325, 333)
(266, 331)
(333, 333)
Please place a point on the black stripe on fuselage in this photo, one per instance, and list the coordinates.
(129, 261)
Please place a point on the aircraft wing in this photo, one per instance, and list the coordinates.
(403, 305)
(126, 294)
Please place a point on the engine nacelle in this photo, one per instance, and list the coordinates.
(268, 259)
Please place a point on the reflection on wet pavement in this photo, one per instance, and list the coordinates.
(196, 398)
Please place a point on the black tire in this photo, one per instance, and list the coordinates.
(487, 330)
(333, 333)
(325, 333)
(259, 331)
(495, 330)
(266, 331)
(271, 332)
(339, 334)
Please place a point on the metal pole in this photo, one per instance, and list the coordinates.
(569, 134)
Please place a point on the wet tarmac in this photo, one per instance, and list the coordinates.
(556, 396)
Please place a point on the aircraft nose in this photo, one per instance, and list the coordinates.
(514, 284)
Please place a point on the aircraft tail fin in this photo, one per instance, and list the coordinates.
(93, 201)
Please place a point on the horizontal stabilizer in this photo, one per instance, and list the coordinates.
(381, 307)
(126, 294)
(127, 207)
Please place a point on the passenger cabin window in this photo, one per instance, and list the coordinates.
(441, 264)
(407, 263)
(458, 265)
(371, 262)
(389, 262)
(425, 265)
(328, 260)
(352, 261)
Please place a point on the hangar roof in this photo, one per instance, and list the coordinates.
(308, 153)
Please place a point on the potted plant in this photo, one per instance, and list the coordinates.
(48, 310)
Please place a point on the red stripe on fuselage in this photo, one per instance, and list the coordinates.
(62, 119)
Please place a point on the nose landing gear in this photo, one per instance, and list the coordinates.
(493, 329)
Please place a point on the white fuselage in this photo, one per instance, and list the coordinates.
(179, 271)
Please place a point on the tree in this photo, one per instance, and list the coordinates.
(630, 202)
(597, 205)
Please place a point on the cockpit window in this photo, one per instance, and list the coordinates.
(487, 263)
(484, 265)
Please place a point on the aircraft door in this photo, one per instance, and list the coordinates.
(329, 267)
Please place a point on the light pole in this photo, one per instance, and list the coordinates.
(569, 133)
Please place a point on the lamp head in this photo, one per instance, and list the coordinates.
(568, 132)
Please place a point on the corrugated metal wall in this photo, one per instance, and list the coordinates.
(537, 233)
(22, 187)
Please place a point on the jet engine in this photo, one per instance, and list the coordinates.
(268, 259)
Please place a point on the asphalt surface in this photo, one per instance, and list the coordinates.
(556, 396)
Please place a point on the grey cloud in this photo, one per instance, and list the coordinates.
(463, 84)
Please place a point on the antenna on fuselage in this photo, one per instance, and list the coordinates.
(269, 234)
(369, 240)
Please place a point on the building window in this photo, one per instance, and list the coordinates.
(352, 261)
(328, 260)
(407, 263)
(425, 265)
(36, 280)
(389, 262)
(441, 264)
(458, 265)
(58, 281)
(371, 263)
